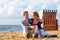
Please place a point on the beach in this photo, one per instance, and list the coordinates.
(20, 36)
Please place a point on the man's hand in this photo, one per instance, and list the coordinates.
(27, 22)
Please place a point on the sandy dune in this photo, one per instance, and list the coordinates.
(19, 36)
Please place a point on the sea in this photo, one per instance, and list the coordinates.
(10, 28)
(13, 28)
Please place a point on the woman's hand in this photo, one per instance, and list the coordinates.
(32, 27)
(41, 20)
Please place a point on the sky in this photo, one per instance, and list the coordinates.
(11, 10)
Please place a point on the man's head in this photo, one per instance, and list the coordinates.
(25, 14)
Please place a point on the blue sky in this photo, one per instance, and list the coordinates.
(11, 10)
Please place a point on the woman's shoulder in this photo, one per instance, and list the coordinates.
(39, 21)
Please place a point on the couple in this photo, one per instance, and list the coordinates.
(33, 24)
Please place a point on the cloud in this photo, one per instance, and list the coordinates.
(12, 9)
(1, 11)
(56, 0)
(7, 8)
(58, 8)
(10, 5)
(10, 22)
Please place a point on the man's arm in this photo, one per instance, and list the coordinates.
(23, 24)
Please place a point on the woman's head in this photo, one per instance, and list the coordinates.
(35, 15)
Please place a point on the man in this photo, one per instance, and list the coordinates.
(27, 26)
(25, 23)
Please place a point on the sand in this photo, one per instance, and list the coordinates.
(19, 36)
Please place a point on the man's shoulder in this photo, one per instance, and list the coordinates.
(23, 21)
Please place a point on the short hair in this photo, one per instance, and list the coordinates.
(25, 12)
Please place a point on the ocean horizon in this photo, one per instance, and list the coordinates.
(10, 28)
(13, 28)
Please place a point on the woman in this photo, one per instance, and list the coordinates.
(36, 21)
